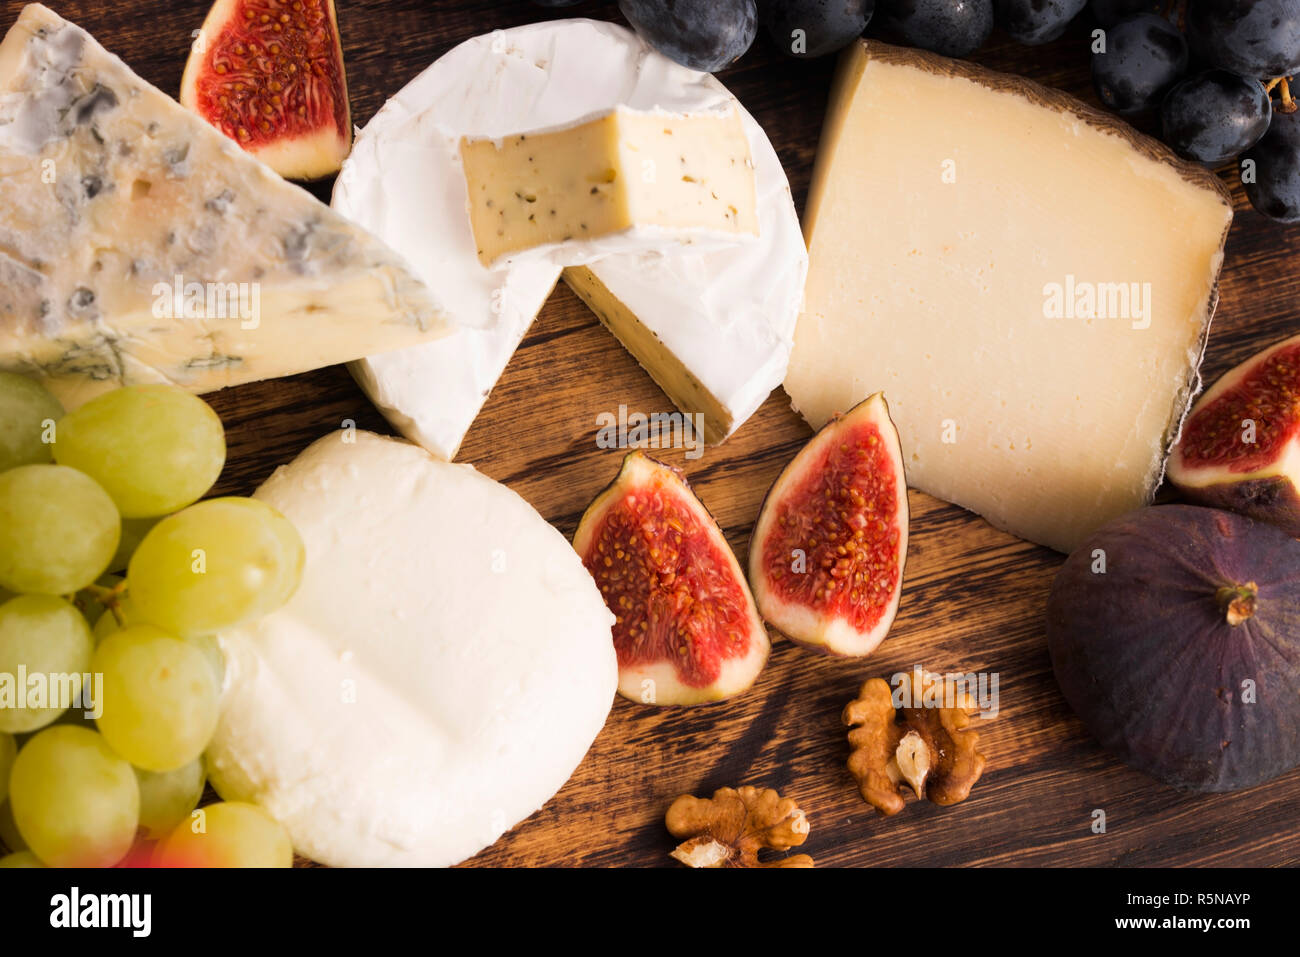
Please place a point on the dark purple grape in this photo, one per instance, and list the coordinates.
(950, 27)
(1275, 190)
(556, 3)
(825, 25)
(1259, 38)
(1032, 22)
(1111, 12)
(704, 35)
(1142, 58)
(1215, 116)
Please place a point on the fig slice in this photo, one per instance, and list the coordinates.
(827, 554)
(1240, 444)
(269, 74)
(687, 630)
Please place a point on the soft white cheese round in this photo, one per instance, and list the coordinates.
(440, 672)
(728, 313)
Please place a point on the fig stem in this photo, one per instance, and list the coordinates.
(1237, 602)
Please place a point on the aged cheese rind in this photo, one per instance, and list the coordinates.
(727, 313)
(647, 177)
(441, 671)
(946, 201)
(112, 193)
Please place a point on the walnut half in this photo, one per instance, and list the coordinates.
(730, 828)
(930, 749)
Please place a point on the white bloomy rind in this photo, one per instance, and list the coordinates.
(729, 314)
(439, 674)
(796, 621)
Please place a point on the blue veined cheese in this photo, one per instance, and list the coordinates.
(137, 244)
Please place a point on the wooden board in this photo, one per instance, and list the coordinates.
(973, 597)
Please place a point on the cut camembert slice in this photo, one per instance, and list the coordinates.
(652, 176)
(712, 324)
(138, 244)
(1029, 281)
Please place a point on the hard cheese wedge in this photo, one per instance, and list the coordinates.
(138, 244)
(624, 170)
(1029, 281)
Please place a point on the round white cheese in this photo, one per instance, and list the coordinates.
(440, 672)
(728, 314)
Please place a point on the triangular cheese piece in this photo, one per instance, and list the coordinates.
(138, 244)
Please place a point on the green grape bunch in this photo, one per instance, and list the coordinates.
(102, 745)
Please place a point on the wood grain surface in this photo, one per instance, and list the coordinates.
(973, 597)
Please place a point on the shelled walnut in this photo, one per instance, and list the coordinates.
(930, 749)
(732, 827)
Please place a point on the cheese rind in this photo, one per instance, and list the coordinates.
(655, 177)
(1003, 209)
(676, 357)
(138, 244)
(441, 671)
(726, 313)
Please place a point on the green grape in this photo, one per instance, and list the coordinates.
(21, 859)
(214, 565)
(167, 797)
(126, 609)
(9, 836)
(8, 751)
(211, 649)
(75, 801)
(51, 641)
(133, 532)
(58, 530)
(154, 448)
(160, 698)
(26, 413)
(230, 834)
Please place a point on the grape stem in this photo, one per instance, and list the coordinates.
(1283, 85)
(1175, 11)
(110, 598)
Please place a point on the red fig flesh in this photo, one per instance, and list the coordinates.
(687, 630)
(270, 76)
(826, 558)
(1240, 445)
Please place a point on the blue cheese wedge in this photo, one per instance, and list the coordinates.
(137, 244)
